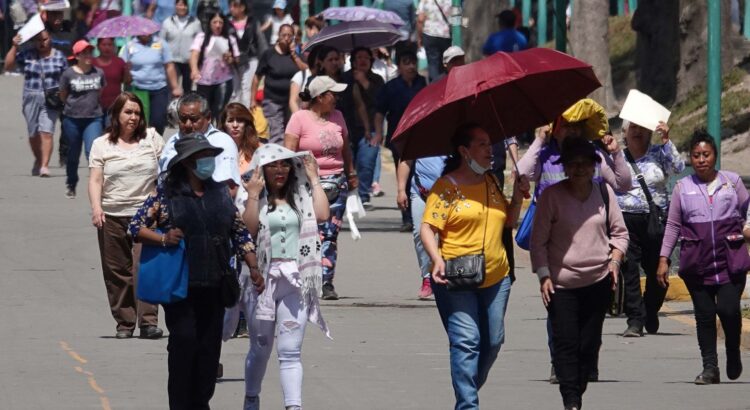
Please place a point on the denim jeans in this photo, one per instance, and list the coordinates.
(79, 132)
(378, 166)
(365, 164)
(434, 47)
(475, 323)
(417, 211)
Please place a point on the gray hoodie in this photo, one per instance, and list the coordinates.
(179, 39)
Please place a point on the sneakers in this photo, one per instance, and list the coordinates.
(368, 205)
(376, 191)
(151, 332)
(425, 292)
(652, 322)
(709, 375)
(633, 331)
(70, 193)
(241, 330)
(124, 334)
(734, 364)
(251, 403)
(406, 227)
(44, 172)
(35, 169)
(329, 292)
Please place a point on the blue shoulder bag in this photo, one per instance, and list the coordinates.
(163, 275)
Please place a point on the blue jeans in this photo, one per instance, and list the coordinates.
(475, 323)
(417, 211)
(365, 164)
(78, 132)
(378, 165)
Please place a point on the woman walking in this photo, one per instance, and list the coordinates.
(42, 67)
(468, 211)
(276, 67)
(321, 130)
(251, 43)
(116, 74)
(212, 61)
(651, 165)
(285, 203)
(237, 122)
(80, 89)
(123, 168)
(189, 205)
(153, 74)
(178, 32)
(577, 244)
(707, 213)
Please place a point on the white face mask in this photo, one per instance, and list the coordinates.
(478, 169)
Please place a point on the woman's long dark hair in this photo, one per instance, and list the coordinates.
(176, 182)
(115, 128)
(286, 191)
(461, 138)
(208, 33)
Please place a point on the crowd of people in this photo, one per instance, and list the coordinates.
(270, 142)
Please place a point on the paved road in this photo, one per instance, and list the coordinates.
(389, 352)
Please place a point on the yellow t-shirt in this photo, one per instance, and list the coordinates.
(459, 212)
(261, 124)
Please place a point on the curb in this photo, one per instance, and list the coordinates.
(677, 291)
(689, 320)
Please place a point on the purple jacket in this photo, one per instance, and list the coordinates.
(710, 229)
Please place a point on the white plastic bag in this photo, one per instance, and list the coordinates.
(354, 206)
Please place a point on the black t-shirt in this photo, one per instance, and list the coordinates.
(278, 70)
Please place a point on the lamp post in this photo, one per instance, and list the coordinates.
(714, 74)
(525, 12)
(561, 30)
(456, 23)
(541, 22)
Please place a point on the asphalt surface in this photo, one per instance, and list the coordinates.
(389, 349)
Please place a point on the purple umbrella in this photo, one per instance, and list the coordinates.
(350, 35)
(360, 13)
(124, 26)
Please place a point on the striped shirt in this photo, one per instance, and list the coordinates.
(33, 66)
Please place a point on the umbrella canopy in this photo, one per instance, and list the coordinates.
(360, 13)
(349, 35)
(505, 93)
(124, 26)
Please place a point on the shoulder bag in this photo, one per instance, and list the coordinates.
(656, 217)
(163, 274)
(52, 98)
(467, 272)
(445, 18)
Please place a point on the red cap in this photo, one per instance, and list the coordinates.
(80, 46)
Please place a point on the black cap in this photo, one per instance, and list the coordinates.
(577, 147)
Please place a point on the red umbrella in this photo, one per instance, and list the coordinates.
(506, 93)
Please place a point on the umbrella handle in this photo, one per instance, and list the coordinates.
(526, 195)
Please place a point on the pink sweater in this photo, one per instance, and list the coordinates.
(569, 237)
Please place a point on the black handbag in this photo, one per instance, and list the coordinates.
(52, 98)
(467, 272)
(656, 217)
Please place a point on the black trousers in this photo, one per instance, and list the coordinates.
(721, 300)
(183, 69)
(195, 326)
(643, 253)
(577, 317)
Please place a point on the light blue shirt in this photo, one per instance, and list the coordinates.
(147, 63)
(283, 223)
(428, 170)
(227, 162)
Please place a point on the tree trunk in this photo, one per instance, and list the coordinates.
(482, 22)
(589, 40)
(657, 48)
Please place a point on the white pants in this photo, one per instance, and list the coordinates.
(291, 318)
(243, 80)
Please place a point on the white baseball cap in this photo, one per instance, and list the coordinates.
(323, 83)
(452, 52)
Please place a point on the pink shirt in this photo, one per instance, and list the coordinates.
(569, 237)
(325, 139)
(214, 69)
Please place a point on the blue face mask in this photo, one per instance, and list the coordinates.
(204, 168)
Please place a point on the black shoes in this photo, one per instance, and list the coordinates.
(633, 331)
(553, 376)
(329, 293)
(406, 227)
(572, 407)
(151, 332)
(652, 322)
(124, 334)
(709, 375)
(734, 364)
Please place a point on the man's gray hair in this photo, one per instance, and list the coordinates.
(195, 98)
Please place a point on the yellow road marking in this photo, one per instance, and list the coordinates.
(90, 376)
